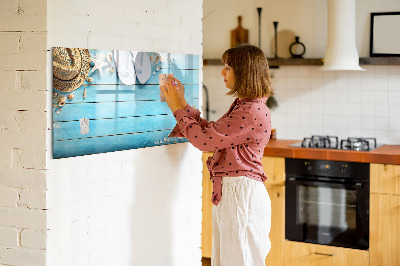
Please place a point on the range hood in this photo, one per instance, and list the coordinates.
(341, 51)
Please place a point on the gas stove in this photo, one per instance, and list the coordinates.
(332, 142)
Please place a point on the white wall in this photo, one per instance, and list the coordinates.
(343, 104)
(305, 18)
(136, 207)
(311, 102)
(23, 132)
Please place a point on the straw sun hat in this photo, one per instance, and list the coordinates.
(70, 68)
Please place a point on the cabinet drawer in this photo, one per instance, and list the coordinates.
(305, 254)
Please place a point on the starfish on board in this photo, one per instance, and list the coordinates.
(98, 63)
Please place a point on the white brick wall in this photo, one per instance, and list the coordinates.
(120, 209)
(33, 239)
(23, 178)
(22, 256)
(9, 237)
(23, 132)
(136, 207)
(23, 15)
(100, 206)
(8, 197)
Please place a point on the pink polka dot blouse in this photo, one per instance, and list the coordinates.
(238, 139)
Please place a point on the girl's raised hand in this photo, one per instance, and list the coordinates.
(172, 94)
(181, 92)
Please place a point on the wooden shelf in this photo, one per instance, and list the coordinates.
(273, 63)
(380, 61)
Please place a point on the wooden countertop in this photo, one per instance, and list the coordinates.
(389, 154)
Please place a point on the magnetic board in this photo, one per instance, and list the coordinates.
(109, 100)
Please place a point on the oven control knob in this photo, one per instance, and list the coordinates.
(309, 168)
(343, 168)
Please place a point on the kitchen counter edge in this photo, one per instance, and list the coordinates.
(386, 154)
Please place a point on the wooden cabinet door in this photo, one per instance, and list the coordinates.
(384, 236)
(385, 178)
(274, 168)
(305, 254)
(277, 233)
(206, 226)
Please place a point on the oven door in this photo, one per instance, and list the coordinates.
(327, 213)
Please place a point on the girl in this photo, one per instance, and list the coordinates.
(242, 209)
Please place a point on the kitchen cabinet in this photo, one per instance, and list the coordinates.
(274, 168)
(305, 254)
(385, 178)
(206, 225)
(385, 214)
(384, 221)
(277, 233)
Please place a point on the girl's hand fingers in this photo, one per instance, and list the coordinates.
(170, 86)
(174, 81)
(178, 82)
(163, 89)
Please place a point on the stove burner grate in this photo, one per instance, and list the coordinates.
(358, 144)
(327, 142)
(332, 142)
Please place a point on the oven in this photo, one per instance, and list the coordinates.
(327, 202)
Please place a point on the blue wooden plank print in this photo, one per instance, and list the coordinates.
(109, 100)
(110, 93)
(103, 127)
(101, 110)
(78, 147)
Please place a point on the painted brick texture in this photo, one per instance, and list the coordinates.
(23, 218)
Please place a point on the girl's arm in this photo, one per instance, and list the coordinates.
(180, 97)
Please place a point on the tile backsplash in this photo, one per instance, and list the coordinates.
(314, 102)
(342, 103)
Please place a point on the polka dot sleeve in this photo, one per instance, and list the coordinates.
(232, 130)
(193, 113)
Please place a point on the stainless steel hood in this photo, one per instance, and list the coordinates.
(341, 51)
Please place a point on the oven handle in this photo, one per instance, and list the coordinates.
(357, 185)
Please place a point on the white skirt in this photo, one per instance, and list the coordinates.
(241, 223)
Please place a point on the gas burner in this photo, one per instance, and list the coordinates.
(358, 144)
(327, 142)
(332, 142)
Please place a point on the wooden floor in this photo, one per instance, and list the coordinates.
(206, 261)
